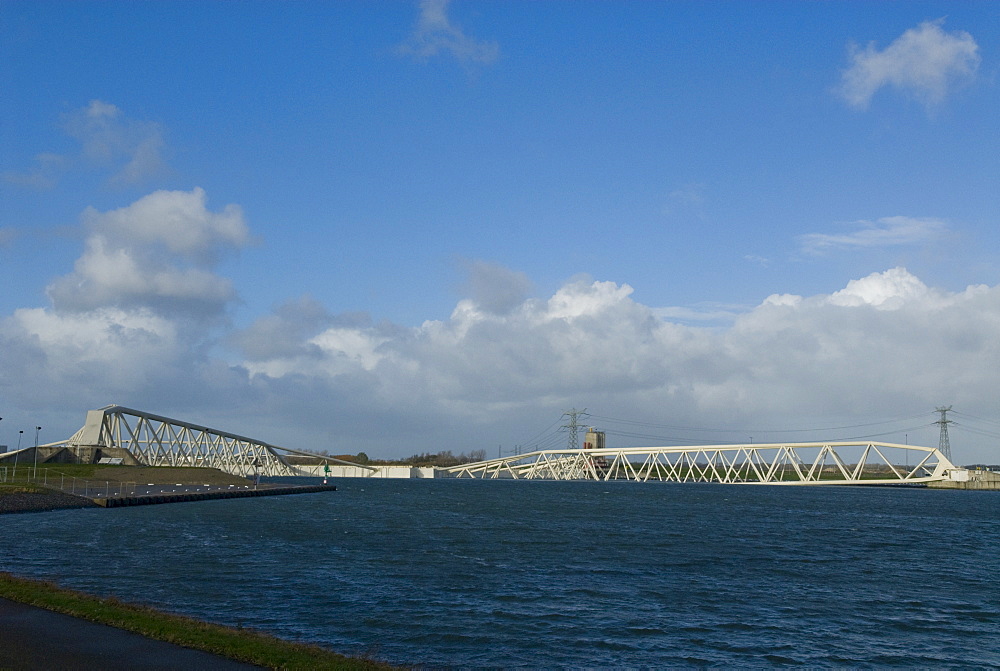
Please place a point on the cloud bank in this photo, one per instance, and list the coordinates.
(138, 322)
(925, 62)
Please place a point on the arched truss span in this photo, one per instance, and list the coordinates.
(154, 440)
(843, 463)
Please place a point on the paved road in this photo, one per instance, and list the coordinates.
(33, 638)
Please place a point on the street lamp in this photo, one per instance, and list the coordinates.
(18, 453)
(37, 429)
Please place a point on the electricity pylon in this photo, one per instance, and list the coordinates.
(944, 445)
(574, 414)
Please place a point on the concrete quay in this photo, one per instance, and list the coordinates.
(181, 497)
(981, 480)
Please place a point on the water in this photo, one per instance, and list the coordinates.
(559, 574)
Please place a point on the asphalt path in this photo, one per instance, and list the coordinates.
(34, 638)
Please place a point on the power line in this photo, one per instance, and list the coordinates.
(549, 439)
(758, 430)
(538, 436)
(978, 419)
(979, 432)
(888, 433)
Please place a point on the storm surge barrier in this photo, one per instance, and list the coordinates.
(831, 463)
(124, 435)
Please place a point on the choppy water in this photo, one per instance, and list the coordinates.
(560, 575)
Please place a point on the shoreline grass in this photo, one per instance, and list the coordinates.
(244, 645)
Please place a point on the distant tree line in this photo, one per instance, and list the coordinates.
(443, 458)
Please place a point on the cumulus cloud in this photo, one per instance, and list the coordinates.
(885, 232)
(156, 253)
(881, 345)
(705, 313)
(435, 33)
(83, 360)
(494, 287)
(878, 343)
(925, 62)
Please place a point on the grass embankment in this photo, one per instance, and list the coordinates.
(159, 475)
(245, 645)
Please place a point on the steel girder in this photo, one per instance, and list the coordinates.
(161, 441)
(834, 463)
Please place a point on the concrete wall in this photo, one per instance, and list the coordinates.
(341, 471)
(69, 455)
(974, 480)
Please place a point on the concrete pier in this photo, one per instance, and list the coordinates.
(181, 497)
(982, 480)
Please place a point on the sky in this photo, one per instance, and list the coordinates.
(409, 227)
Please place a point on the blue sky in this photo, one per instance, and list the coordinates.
(403, 226)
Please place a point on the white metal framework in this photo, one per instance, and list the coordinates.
(160, 441)
(835, 463)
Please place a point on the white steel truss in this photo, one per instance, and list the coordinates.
(160, 441)
(835, 463)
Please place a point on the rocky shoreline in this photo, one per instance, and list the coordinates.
(36, 502)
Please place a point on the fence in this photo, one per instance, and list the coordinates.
(70, 484)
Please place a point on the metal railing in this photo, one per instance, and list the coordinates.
(67, 483)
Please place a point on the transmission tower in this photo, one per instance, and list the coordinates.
(944, 445)
(573, 425)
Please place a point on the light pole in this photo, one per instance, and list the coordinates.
(37, 429)
(18, 453)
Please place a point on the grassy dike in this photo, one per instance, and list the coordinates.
(244, 645)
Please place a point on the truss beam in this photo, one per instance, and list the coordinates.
(154, 440)
(835, 463)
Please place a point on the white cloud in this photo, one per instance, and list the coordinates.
(707, 313)
(891, 289)
(884, 232)
(493, 287)
(436, 33)
(177, 221)
(877, 345)
(155, 253)
(925, 62)
(882, 345)
(55, 359)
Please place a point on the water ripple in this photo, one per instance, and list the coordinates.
(471, 574)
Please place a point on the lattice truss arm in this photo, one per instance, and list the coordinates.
(785, 464)
(160, 441)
